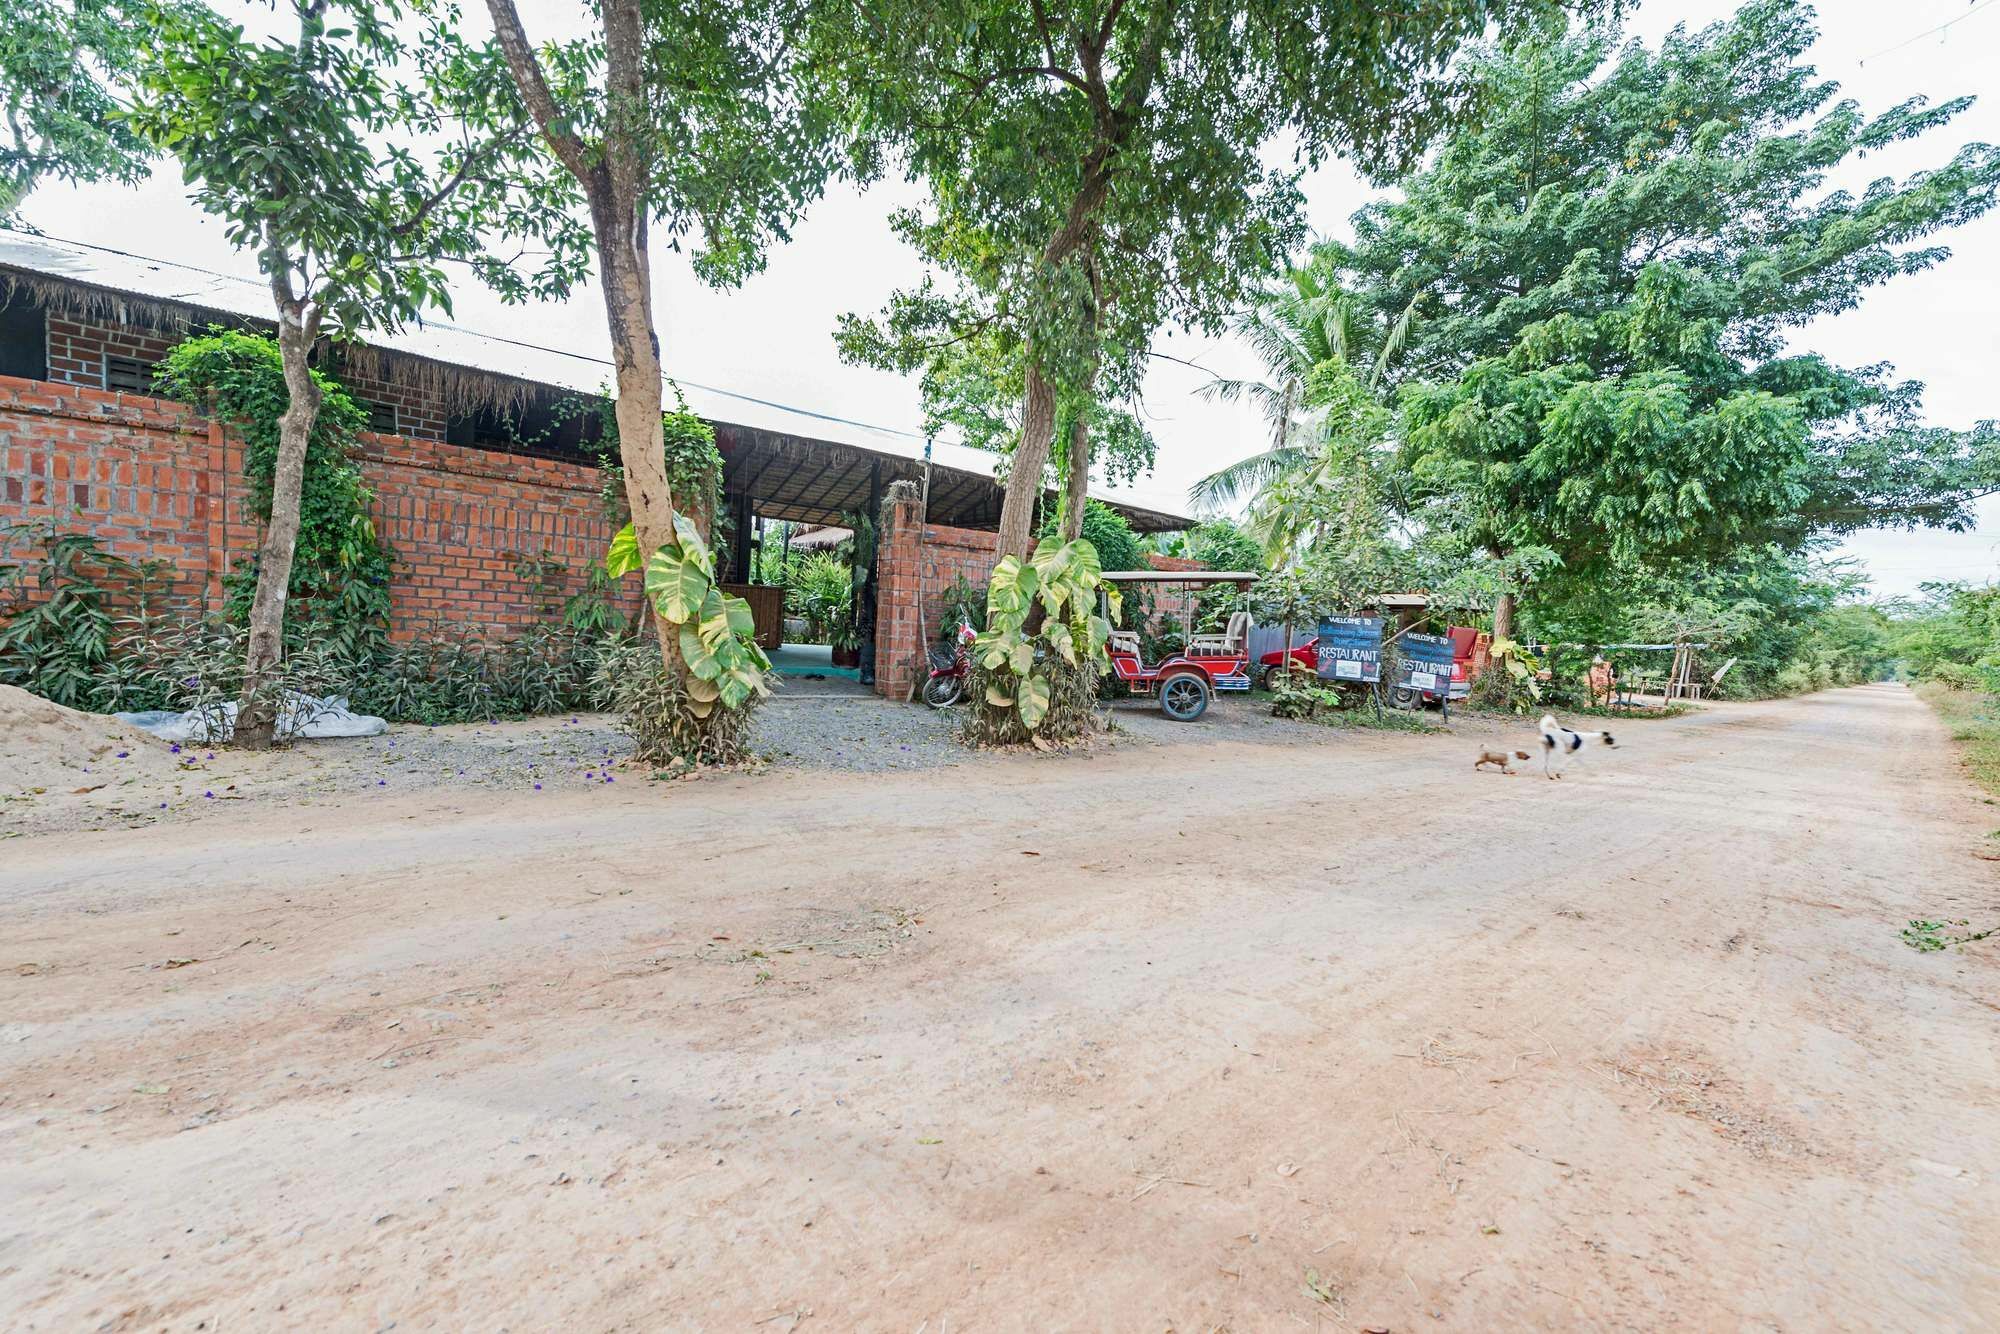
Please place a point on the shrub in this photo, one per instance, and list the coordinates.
(1958, 676)
(659, 714)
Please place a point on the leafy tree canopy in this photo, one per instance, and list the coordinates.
(348, 159)
(61, 118)
(1606, 268)
(1094, 166)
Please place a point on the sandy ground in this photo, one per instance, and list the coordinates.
(1245, 1034)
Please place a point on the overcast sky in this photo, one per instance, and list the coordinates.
(772, 337)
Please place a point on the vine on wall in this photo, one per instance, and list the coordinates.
(340, 574)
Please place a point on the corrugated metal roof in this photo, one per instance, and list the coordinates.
(127, 274)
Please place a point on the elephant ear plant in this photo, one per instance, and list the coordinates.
(701, 714)
(1043, 646)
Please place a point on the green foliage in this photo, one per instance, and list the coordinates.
(1606, 267)
(1297, 695)
(1108, 533)
(717, 633)
(1095, 171)
(964, 604)
(1958, 676)
(343, 214)
(59, 628)
(821, 591)
(61, 122)
(694, 464)
(1043, 645)
(665, 717)
(1927, 937)
(340, 568)
(1951, 637)
(90, 631)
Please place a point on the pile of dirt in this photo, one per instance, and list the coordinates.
(44, 745)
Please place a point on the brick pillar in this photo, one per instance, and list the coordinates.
(899, 629)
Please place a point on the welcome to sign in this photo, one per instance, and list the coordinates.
(1350, 649)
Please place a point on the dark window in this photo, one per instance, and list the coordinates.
(563, 427)
(382, 418)
(24, 340)
(129, 374)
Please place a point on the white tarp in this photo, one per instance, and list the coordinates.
(300, 716)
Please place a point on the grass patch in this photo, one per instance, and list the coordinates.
(1973, 719)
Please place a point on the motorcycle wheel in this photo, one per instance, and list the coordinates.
(941, 692)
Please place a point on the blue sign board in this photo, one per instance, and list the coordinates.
(1427, 662)
(1350, 649)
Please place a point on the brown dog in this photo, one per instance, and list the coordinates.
(1503, 758)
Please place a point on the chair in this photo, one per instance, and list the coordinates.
(1230, 643)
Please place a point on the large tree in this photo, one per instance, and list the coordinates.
(1609, 265)
(1094, 167)
(698, 116)
(302, 147)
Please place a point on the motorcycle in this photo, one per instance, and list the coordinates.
(951, 669)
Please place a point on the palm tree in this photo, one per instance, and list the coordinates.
(1311, 336)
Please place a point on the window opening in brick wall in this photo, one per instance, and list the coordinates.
(24, 340)
(382, 418)
(129, 374)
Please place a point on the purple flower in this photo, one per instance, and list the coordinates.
(175, 748)
(381, 782)
(538, 787)
(609, 779)
(123, 753)
(163, 805)
(209, 756)
(209, 795)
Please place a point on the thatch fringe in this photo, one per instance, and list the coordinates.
(459, 389)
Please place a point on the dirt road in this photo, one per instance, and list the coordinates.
(1241, 1035)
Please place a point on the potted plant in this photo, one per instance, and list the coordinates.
(846, 641)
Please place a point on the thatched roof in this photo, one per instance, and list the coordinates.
(796, 463)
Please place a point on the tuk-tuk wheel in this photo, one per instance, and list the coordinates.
(1185, 697)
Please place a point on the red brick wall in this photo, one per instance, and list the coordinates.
(77, 348)
(903, 566)
(152, 479)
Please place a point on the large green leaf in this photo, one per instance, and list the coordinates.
(692, 547)
(677, 586)
(712, 620)
(1032, 701)
(999, 698)
(700, 658)
(1061, 640)
(623, 557)
(1021, 658)
(993, 645)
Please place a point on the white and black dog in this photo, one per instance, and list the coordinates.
(1559, 743)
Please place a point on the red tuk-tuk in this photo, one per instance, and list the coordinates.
(1186, 681)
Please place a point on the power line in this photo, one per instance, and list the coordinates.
(195, 298)
(1983, 4)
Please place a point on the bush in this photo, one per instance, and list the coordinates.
(658, 714)
(1296, 695)
(1958, 676)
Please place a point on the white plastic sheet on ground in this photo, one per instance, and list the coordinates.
(300, 716)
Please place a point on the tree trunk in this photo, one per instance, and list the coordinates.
(1031, 458)
(614, 181)
(256, 708)
(1076, 490)
(1503, 617)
